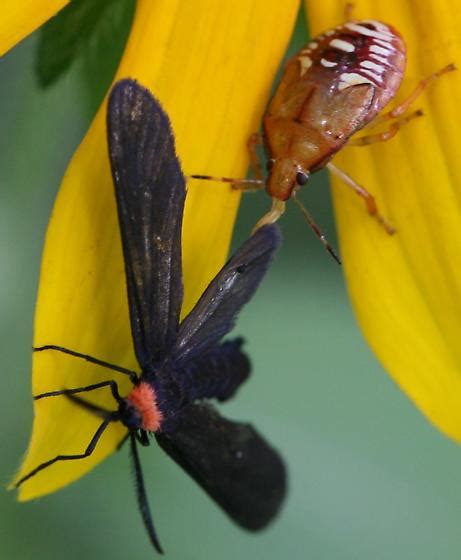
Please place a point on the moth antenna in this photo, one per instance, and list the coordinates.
(315, 228)
(142, 496)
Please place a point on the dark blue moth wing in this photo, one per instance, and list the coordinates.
(215, 313)
(231, 462)
(150, 192)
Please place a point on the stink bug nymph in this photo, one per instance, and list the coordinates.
(330, 90)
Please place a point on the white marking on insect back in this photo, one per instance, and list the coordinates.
(349, 79)
(330, 32)
(327, 63)
(306, 63)
(342, 45)
(312, 45)
(378, 79)
(385, 44)
(380, 26)
(368, 32)
(380, 50)
(380, 59)
(372, 66)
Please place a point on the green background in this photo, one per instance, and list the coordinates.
(369, 477)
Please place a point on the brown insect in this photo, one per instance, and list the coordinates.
(330, 90)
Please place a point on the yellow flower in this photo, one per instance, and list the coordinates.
(199, 58)
(21, 17)
(406, 289)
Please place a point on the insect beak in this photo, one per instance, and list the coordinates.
(282, 179)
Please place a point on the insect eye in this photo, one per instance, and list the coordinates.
(302, 178)
(269, 164)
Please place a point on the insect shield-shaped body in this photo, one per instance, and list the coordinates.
(182, 364)
(329, 90)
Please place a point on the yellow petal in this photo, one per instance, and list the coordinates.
(21, 17)
(212, 66)
(406, 289)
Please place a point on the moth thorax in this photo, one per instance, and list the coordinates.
(144, 400)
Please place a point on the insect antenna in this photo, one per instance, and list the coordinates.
(238, 184)
(142, 496)
(315, 228)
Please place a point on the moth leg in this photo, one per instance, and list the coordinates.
(420, 87)
(112, 384)
(124, 440)
(131, 374)
(386, 134)
(88, 451)
(362, 192)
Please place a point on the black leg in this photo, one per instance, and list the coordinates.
(142, 497)
(113, 416)
(112, 384)
(89, 450)
(122, 443)
(131, 374)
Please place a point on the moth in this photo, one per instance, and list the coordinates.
(183, 365)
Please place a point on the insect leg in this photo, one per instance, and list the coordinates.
(421, 86)
(131, 374)
(367, 197)
(112, 384)
(124, 440)
(142, 496)
(88, 451)
(254, 141)
(315, 228)
(386, 134)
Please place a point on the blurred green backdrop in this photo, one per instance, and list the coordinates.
(369, 477)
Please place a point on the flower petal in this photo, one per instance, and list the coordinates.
(21, 17)
(406, 288)
(198, 59)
